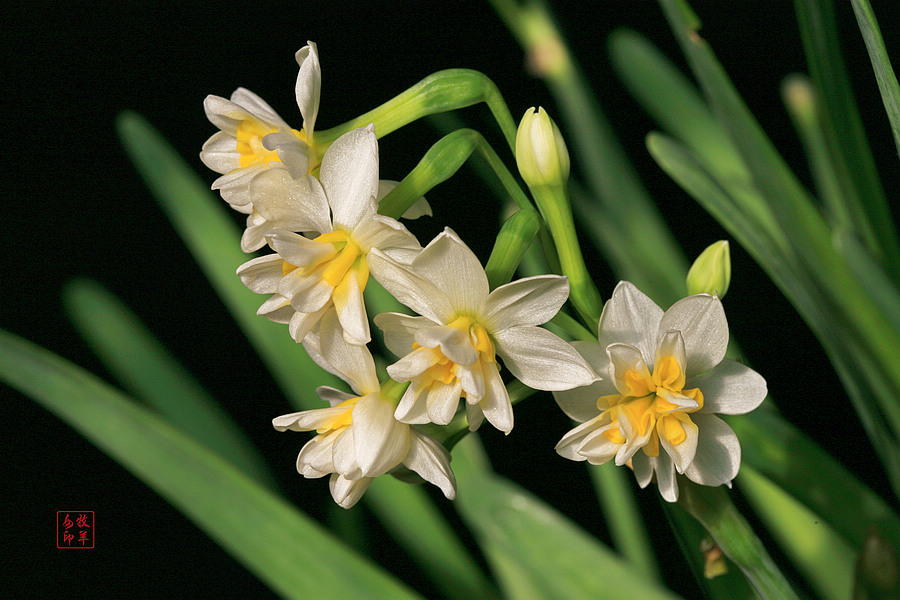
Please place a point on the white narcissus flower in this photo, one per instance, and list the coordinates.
(450, 351)
(254, 139)
(308, 275)
(358, 437)
(667, 377)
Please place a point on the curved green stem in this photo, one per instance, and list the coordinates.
(441, 161)
(443, 91)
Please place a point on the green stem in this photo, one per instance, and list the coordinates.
(443, 91)
(441, 161)
(553, 202)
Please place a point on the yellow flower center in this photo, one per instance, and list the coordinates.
(250, 134)
(348, 260)
(341, 421)
(646, 408)
(444, 371)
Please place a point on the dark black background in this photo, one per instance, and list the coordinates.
(74, 207)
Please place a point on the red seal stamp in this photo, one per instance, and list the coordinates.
(75, 529)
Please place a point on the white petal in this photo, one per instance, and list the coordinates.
(352, 363)
(299, 203)
(234, 186)
(308, 293)
(643, 470)
(541, 360)
(410, 288)
(413, 408)
(388, 235)
(496, 405)
(701, 321)
(665, 477)
(529, 301)
(344, 455)
(630, 317)
(567, 447)
(306, 420)
(472, 380)
(580, 404)
(220, 154)
(351, 310)
(299, 250)
(347, 492)
(443, 400)
(474, 416)
(302, 323)
(293, 152)
(316, 456)
(309, 86)
(381, 441)
(413, 364)
(718, 456)
(349, 175)
(258, 107)
(332, 396)
(431, 461)
(454, 269)
(453, 343)
(622, 359)
(399, 330)
(682, 454)
(730, 388)
(262, 274)
(278, 309)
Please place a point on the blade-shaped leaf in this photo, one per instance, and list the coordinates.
(562, 560)
(144, 367)
(282, 546)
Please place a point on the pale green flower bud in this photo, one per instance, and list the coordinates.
(541, 152)
(711, 272)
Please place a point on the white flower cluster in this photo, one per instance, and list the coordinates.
(316, 208)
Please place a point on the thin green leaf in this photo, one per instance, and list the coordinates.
(884, 72)
(629, 533)
(203, 223)
(853, 167)
(845, 302)
(826, 560)
(144, 367)
(616, 193)
(283, 547)
(563, 561)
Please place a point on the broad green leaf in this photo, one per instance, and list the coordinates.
(283, 547)
(212, 237)
(705, 559)
(713, 508)
(818, 552)
(144, 367)
(408, 514)
(788, 458)
(562, 560)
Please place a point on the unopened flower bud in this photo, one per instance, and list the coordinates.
(541, 152)
(711, 272)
